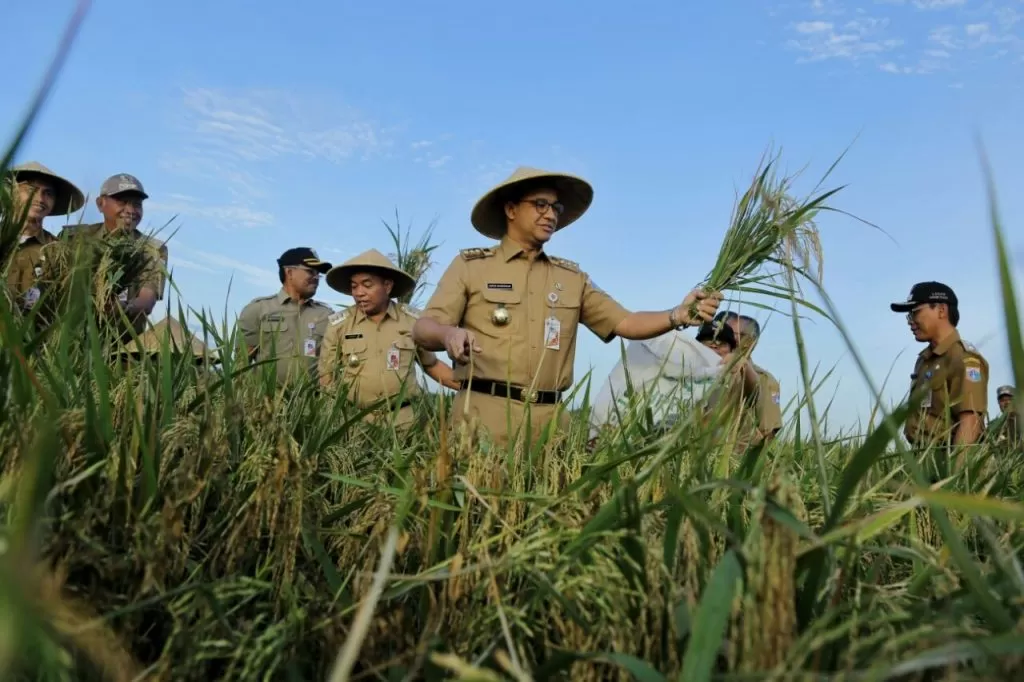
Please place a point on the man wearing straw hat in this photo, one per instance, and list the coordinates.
(289, 326)
(43, 193)
(120, 203)
(508, 314)
(369, 347)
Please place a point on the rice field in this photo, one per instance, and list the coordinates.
(168, 520)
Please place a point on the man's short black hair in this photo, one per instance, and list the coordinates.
(747, 324)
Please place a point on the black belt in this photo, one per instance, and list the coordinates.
(517, 393)
(404, 403)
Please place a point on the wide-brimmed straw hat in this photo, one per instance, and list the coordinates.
(574, 193)
(69, 198)
(373, 261)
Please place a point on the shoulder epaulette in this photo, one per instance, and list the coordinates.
(338, 317)
(477, 252)
(78, 230)
(409, 310)
(565, 263)
(969, 347)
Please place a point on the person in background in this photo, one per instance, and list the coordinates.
(1005, 431)
(289, 326)
(950, 373)
(764, 403)
(38, 193)
(369, 347)
(120, 202)
(516, 309)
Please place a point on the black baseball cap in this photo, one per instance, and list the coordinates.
(717, 330)
(923, 293)
(303, 255)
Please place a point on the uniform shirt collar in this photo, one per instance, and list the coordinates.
(283, 298)
(391, 312)
(509, 249)
(945, 344)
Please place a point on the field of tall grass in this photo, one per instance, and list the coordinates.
(164, 519)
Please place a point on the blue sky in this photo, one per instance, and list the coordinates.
(264, 126)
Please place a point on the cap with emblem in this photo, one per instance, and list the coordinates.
(374, 262)
(575, 194)
(1006, 391)
(69, 198)
(303, 256)
(923, 293)
(122, 183)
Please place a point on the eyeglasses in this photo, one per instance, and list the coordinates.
(542, 205)
(913, 313)
(310, 272)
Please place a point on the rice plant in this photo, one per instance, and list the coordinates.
(165, 520)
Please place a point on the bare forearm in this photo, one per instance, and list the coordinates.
(968, 430)
(429, 334)
(643, 325)
(443, 374)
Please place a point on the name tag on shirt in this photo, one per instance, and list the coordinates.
(552, 333)
(393, 359)
(309, 348)
(31, 297)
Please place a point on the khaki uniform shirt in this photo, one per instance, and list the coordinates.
(27, 266)
(956, 377)
(154, 275)
(1005, 431)
(544, 299)
(767, 405)
(373, 358)
(278, 326)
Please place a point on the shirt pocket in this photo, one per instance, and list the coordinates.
(354, 354)
(276, 336)
(565, 307)
(407, 352)
(499, 305)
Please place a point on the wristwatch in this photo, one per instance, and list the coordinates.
(673, 322)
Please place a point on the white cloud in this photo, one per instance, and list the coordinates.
(838, 30)
(177, 263)
(253, 274)
(259, 125)
(225, 216)
(856, 39)
(938, 4)
(438, 162)
(813, 26)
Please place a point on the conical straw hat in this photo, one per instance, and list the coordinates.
(69, 198)
(574, 193)
(373, 261)
(179, 339)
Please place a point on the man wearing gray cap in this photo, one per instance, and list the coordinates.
(1005, 430)
(120, 204)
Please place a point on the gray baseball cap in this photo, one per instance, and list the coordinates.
(122, 182)
(1004, 390)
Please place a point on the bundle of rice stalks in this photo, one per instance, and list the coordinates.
(104, 267)
(769, 226)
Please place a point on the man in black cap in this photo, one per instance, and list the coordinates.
(950, 373)
(289, 325)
